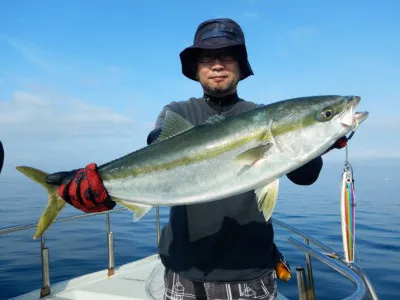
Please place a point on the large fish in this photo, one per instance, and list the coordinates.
(220, 158)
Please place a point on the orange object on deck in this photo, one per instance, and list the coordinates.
(282, 271)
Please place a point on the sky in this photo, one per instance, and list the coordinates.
(84, 81)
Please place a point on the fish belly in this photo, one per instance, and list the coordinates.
(203, 181)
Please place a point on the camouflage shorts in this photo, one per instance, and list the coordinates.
(179, 288)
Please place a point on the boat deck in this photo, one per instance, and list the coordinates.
(142, 279)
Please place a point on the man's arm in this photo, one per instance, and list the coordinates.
(308, 173)
(153, 135)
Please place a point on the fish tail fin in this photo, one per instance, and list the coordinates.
(55, 203)
(139, 210)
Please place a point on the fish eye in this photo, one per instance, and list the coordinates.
(327, 114)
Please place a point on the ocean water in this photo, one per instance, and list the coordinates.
(80, 246)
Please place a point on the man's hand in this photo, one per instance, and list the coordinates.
(282, 270)
(83, 189)
(339, 144)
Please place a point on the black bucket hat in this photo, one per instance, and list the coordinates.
(216, 34)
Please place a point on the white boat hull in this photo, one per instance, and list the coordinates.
(142, 279)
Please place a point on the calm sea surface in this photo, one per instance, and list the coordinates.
(80, 246)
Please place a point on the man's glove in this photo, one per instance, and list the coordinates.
(83, 189)
(282, 270)
(339, 144)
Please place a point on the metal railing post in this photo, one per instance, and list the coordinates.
(110, 243)
(44, 251)
(301, 283)
(368, 284)
(311, 291)
(158, 225)
(337, 265)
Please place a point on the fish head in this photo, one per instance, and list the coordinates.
(307, 127)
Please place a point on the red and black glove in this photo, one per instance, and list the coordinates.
(339, 144)
(83, 189)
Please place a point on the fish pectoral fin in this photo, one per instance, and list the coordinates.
(266, 198)
(139, 210)
(54, 205)
(173, 125)
(253, 155)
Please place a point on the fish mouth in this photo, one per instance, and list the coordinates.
(351, 117)
(361, 116)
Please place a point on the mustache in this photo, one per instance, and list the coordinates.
(218, 75)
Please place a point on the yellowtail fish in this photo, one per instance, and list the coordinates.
(220, 158)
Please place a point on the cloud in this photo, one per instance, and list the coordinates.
(64, 133)
(34, 116)
(62, 68)
(29, 52)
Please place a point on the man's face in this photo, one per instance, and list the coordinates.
(218, 72)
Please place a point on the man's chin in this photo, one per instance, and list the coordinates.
(218, 91)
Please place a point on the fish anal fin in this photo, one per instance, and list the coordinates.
(173, 125)
(266, 198)
(139, 210)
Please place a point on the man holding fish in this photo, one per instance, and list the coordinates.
(211, 250)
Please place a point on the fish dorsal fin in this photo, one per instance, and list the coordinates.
(214, 119)
(173, 125)
(266, 198)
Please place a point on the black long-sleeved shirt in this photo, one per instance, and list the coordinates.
(227, 240)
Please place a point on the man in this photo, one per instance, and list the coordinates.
(218, 250)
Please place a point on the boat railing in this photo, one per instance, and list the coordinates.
(305, 281)
(331, 258)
